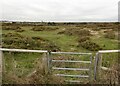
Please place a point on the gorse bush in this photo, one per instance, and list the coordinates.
(90, 45)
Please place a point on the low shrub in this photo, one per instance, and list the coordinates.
(16, 28)
(10, 27)
(90, 45)
(82, 39)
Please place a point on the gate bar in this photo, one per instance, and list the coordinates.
(71, 61)
(84, 69)
(79, 76)
(70, 53)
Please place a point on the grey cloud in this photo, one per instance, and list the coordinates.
(60, 10)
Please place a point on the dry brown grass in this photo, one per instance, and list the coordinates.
(39, 76)
(109, 76)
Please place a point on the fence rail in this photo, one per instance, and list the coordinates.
(23, 50)
(109, 51)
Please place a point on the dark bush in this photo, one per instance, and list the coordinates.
(62, 32)
(20, 30)
(90, 46)
(82, 39)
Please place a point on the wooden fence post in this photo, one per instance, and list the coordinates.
(0, 67)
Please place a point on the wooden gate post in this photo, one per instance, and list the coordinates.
(49, 59)
(96, 66)
(44, 63)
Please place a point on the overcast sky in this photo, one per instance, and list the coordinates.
(60, 10)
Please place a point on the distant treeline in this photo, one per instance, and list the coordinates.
(61, 23)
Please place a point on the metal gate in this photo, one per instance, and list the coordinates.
(62, 59)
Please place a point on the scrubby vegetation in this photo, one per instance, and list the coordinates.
(86, 43)
(15, 28)
(11, 28)
(75, 31)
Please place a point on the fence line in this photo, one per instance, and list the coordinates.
(49, 60)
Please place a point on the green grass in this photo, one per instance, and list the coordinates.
(106, 44)
(21, 63)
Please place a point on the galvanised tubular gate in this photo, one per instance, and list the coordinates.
(72, 69)
(49, 61)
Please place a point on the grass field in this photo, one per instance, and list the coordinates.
(58, 37)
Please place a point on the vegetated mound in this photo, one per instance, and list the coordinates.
(15, 40)
(43, 28)
(87, 44)
(16, 28)
(75, 31)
